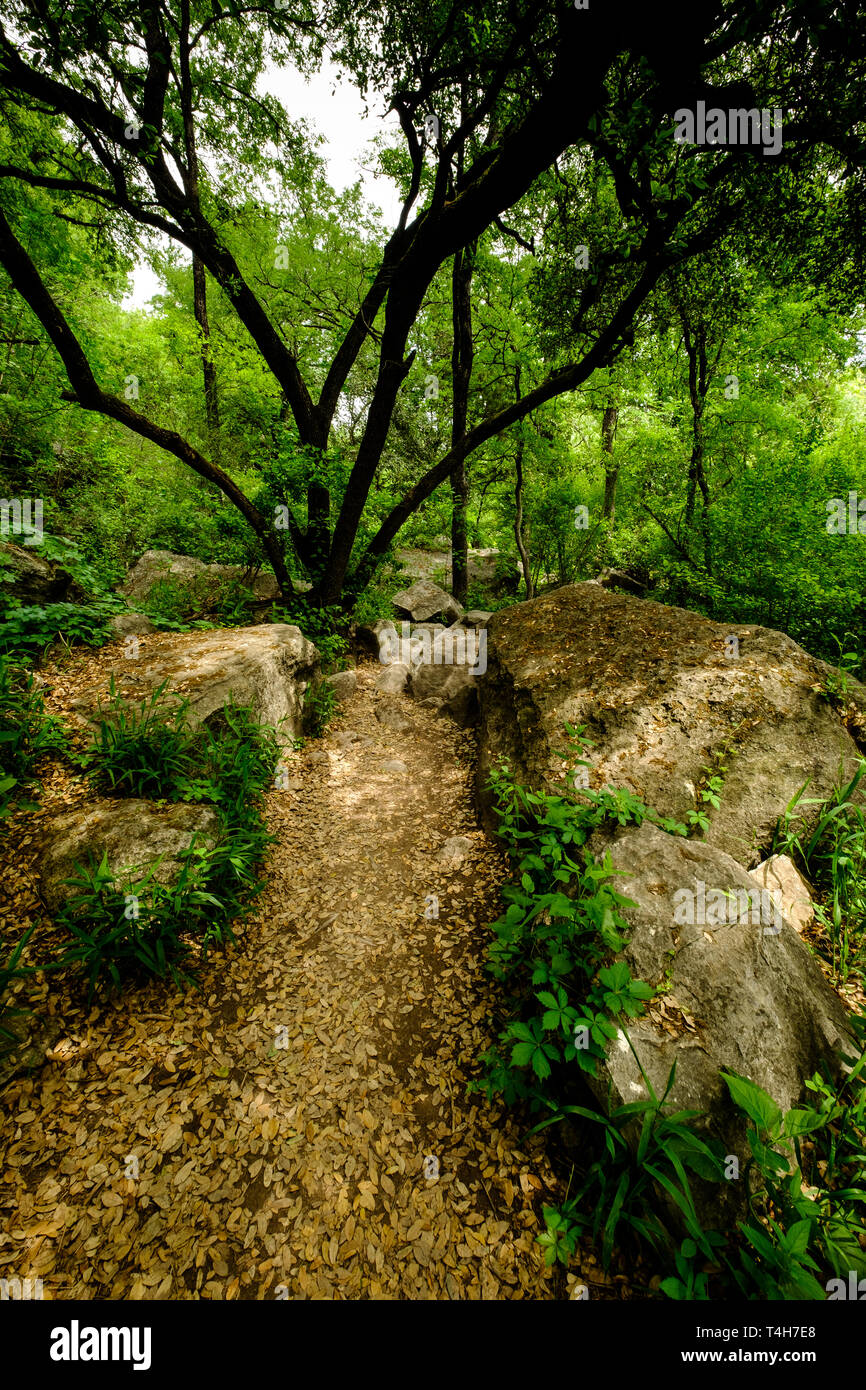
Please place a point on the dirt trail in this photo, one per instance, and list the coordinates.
(283, 1122)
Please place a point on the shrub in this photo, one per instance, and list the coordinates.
(149, 751)
(806, 1178)
(148, 927)
(833, 858)
(26, 732)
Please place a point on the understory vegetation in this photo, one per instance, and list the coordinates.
(634, 1182)
(123, 927)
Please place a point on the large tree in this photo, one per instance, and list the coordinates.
(158, 123)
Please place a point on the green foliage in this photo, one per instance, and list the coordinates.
(616, 1197)
(836, 683)
(179, 605)
(138, 928)
(323, 626)
(10, 969)
(320, 701)
(28, 629)
(563, 920)
(806, 1177)
(149, 751)
(832, 855)
(146, 926)
(26, 732)
(806, 1180)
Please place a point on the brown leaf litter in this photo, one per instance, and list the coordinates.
(301, 1128)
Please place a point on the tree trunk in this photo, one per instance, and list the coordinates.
(462, 352)
(518, 523)
(199, 282)
(211, 397)
(611, 469)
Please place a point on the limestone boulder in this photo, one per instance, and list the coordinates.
(740, 989)
(266, 667)
(452, 690)
(668, 698)
(131, 625)
(133, 834)
(35, 581)
(203, 581)
(425, 600)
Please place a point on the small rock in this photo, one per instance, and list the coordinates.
(393, 679)
(347, 737)
(317, 756)
(476, 617)
(344, 683)
(779, 875)
(394, 765)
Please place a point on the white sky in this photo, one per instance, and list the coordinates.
(336, 111)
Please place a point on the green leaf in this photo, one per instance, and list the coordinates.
(759, 1107)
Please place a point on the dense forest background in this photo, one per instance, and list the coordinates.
(652, 362)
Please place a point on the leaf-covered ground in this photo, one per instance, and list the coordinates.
(282, 1120)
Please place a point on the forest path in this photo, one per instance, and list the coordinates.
(282, 1121)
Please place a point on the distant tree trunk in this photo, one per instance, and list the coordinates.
(462, 353)
(611, 469)
(518, 523)
(696, 348)
(199, 283)
(211, 396)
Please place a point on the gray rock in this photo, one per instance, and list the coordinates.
(370, 636)
(346, 738)
(780, 875)
(620, 579)
(426, 600)
(393, 679)
(134, 834)
(758, 1002)
(450, 689)
(266, 667)
(344, 683)
(493, 570)
(661, 699)
(202, 579)
(36, 581)
(394, 765)
(476, 617)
